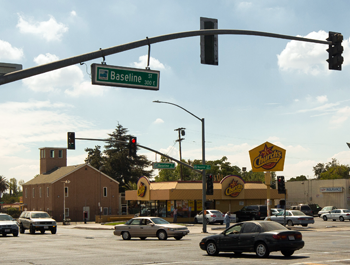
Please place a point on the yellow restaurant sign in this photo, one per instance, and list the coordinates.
(267, 157)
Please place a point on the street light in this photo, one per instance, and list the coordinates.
(64, 199)
(203, 161)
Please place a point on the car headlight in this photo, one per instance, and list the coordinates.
(35, 223)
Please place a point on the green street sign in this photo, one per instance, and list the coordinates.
(163, 165)
(108, 75)
(202, 167)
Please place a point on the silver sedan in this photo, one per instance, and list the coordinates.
(144, 227)
(337, 214)
(293, 217)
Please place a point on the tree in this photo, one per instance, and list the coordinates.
(115, 162)
(13, 187)
(298, 178)
(331, 170)
(3, 184)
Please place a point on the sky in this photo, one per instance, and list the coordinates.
(264, 89)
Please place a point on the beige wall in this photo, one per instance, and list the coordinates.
(309, 192)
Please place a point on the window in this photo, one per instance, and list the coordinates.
(47, 191)
(40, 193)
(60, 153)
(33, 192)
(66, 213)
(42, 153)
(52, 153)
(104, 191)
(26, 193)
(66, 191)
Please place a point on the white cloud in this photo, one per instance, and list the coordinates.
(49, 30)
(305, 57)
(158, 121)
(154, 63)
(322, 99)
(9, 53)
(73, 13)
(71, 77)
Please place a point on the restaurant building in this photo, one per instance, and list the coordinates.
(230, 194)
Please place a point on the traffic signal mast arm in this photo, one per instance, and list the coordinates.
(25, 73)
(144, 147)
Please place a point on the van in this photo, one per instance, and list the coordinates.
(305, 208)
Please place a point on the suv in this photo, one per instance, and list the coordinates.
(305, 208)
(251, 212)
(36, 221)
(8, 225)
(315, 208)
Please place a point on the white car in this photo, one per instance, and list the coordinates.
(8, 225)
(213, 216)
(337, 214)
(326, 209)
(293, 217)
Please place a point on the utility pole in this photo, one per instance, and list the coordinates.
(181, 132)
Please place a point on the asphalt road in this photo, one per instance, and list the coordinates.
(325, 243)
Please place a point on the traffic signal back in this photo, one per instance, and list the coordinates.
(335, 59)
(210, 185)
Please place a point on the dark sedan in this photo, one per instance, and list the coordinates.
(261, 237)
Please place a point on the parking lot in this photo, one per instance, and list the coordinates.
(325, 243)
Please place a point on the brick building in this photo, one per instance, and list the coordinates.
(80, 188)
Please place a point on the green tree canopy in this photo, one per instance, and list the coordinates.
(3, 184)
(331, 170)
(115, 162)
(298, 178)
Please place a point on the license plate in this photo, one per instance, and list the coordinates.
(291, 237)
(46, 227)
(7, 230)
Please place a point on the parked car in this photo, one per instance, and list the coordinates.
(305, 208)
(251, 212)
(261, 237)
(144, 227)
(293, 217)
(213, 216)
(326, 209)
(275, 211)
(315, 209)
(36, 221)
(337, 214)
(8, 225)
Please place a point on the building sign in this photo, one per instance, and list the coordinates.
(232, 187)
(143, 189)
(332, 189)
(267, 157)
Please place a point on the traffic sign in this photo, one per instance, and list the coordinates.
(163, 165)
(202, 167)
(108, 75)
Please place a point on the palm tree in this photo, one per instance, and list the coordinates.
(3, 184)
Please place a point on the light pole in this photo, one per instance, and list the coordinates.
(64, 199)
(203, 162)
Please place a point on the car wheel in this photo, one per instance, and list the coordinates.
(162, 235)
(238, 253)
(334, 220)
(142, 238)
(177, 237)
(287, 253)
(253, 218)
(221, 223)
(31, 230)
(212, 249)
(304, 225)
(3, 234)
(290, 223)
(53, 230)
(42, 231)
(208, 221)
(195, 220)
(324, 218)
(126, 235)
(261, 250)
(341, 218)
(15, 233)
(21, 229)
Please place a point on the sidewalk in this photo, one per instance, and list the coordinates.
(194, 229)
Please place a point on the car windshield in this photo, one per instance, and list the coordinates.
(40, 215)
(215, 212)
(271, 226)
(5, 218)
(159, 221)
(297, 213)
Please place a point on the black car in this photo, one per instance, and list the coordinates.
(261, 237)
(251, 212)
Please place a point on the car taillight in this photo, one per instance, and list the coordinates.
(280, 237)
(299, 236)
(301, 218)
(213, 215)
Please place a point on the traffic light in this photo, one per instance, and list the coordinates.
(132, 146)
(281, 185)
(209, 43)
(71, 140)
(210, 185)
(335, 60)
